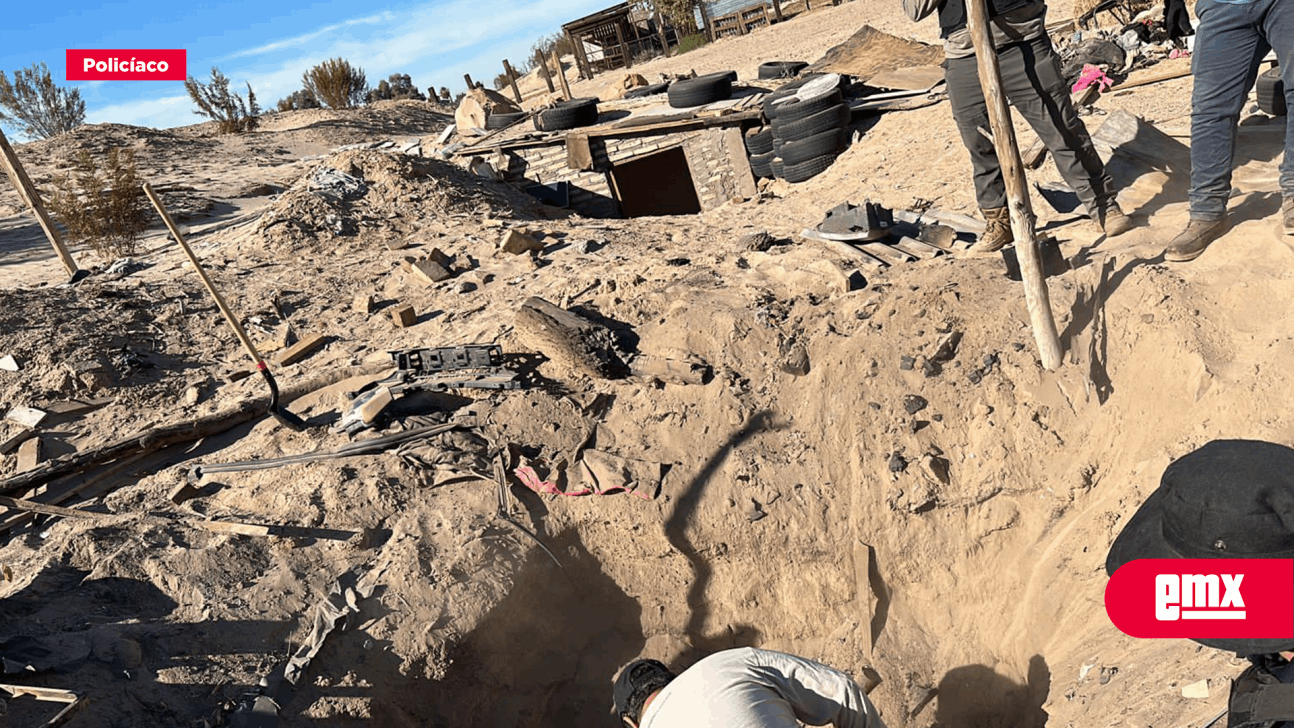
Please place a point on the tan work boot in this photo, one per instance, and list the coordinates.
(1194, 239)
(1287, 214)
(1113, 221)
(997, 231)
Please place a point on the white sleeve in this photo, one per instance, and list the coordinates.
(819, 695)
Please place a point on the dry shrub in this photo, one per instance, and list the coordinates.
(36, 106)
(102, 206)
(336, 83)
(215, 101)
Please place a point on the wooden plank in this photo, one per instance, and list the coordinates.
(26, 416)
(546, 74)
(567, 338)
(1160, 77)
(735, 143)
(888, 253)
(232, 528)
(915, 247)
(20, 504)
(846, 249)
(956, 221)
(468, 78)
(624, 47)
(302, 349)
(561, 77)
(83, 486)
(29, 194)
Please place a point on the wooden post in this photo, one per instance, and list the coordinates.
(705, 20)
(561, 76)
(1036, 296)
(624, 47)
(777, 10)
(581, 61)
(660, 25)
(512, 79)
(28, 192)
(548, 77)
(470, 83)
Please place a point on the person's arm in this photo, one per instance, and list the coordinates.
(918, 9)
(819, 695)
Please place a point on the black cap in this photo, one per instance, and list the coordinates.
(634, 675)
(1230, 499)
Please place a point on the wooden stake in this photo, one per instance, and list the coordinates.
(660, 25)
(1036, 296)
(548, 76)
(27, 191)
(470, 84)
(561, 77)
(512, 79)
(709, 27)
(624, 47)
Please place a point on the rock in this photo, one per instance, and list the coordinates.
(754, 512)
(929, 368)
(897, 463)
(464, 287)
(518, 242)
(914, 403)
(936, 469)
(30, 454)
(1198, 690)
(796, 361)
(906, 363)
(129, 654)
(760, 241)
(426, 270)
(192, 395)
(981, 409)
(364, 303)
(9, 364)
(404, 316)
(626, 82)
(947, 347)
(477, 106)
(587, 246)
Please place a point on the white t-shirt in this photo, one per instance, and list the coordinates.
(752, 688)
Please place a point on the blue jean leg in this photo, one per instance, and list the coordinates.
(1228, 47)
(1278, 27)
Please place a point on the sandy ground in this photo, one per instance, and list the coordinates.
(780, 522)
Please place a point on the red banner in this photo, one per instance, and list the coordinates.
(1203, 598)
(141, 64)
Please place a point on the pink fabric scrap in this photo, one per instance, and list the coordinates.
(1091, 74)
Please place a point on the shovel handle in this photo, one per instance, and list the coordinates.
(206, 281)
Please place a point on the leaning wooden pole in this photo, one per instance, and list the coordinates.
(27, 191)
(512, 79)
(1036, 297)
(561, 76)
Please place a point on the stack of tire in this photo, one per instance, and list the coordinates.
(809, 128)
(689, 92)
(1271, 92)
(568, 115)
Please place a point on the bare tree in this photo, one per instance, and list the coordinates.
(36, 106)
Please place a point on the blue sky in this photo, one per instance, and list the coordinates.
(271, 44)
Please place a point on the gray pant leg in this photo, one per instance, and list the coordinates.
(1032, 79)
(971, 114)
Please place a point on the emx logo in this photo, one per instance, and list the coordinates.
(1203, 598)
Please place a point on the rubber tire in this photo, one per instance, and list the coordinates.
(836, 117)
(779, 169)
(831, 141)
(648, 90)
(786, 89)
(762, 164)
(699, 91)
(781, 69)
(1271, 92)
(503, 121)
(568, 115)
(761, 142)
(794, 108)
(795, 173)
(730, 75)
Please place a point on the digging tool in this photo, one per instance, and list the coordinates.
(284, 417)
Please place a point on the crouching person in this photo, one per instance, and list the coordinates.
(741, 688)
(1032, 80)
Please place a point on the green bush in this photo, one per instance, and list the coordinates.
(36, 106)
(102, 206)
(336, 83)
(215, 101)
(690, 43)
(297, 101)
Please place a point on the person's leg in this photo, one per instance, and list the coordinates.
(1228, 47)
(1032, 78)
(1278, 30)
(971, 114)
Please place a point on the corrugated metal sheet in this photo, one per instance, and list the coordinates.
(724, 7)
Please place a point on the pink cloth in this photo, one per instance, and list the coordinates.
(1091, 74)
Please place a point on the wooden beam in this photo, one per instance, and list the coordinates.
(660, 25)
(548, 77)
(512, 79)
(624, 47)
(561, 76)
(468, 78)
(581, 60)
(777, 10)
(705, 20)
(28, 192)
(1036, 297)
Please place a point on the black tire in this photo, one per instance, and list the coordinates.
(779, 169)
(762, 164)
(835, 117)
(503, 121)
(793, 108)
(730, 75)
(568, 115)
(831, 141)
(699, 91)
(761, 142)
(808, 169)
(648, 90)
(1271, 92)
(781, 69)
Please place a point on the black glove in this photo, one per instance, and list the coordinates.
(1177, 22)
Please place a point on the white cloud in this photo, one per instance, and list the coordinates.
(304, 38)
